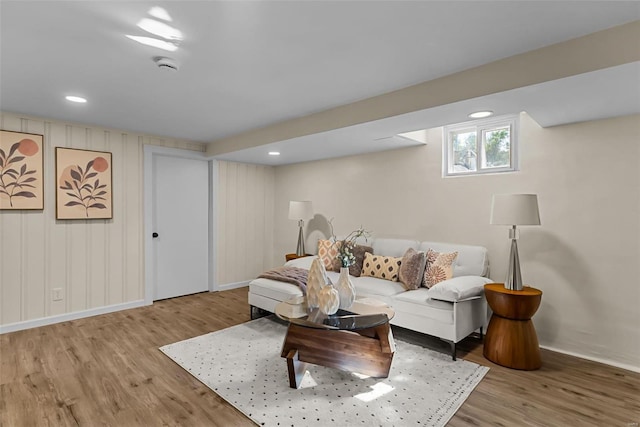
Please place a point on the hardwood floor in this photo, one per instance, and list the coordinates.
(107, 370)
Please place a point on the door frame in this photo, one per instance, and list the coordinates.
(149, 260)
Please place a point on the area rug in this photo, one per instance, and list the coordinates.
(243, 365)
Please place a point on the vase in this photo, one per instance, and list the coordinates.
(316, 280)
(329, 300)
(346, 290)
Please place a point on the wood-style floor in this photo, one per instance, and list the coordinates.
(107, 370)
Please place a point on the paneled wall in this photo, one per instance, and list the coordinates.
(244, 241)
(96, 263)
(585, 256)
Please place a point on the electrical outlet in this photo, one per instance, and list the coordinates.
(56, 294)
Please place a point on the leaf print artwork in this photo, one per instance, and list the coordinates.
(20, 171)
(80, 187)
(84, 184)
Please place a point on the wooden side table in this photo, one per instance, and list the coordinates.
(511, 338)
(289, 257)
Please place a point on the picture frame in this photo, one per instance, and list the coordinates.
(21, 171)
(84, 184)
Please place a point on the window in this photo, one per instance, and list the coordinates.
(481, 146)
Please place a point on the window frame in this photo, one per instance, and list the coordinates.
(481, 127)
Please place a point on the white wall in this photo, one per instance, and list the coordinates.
(244, 241)
(585, 257)
(97, 263)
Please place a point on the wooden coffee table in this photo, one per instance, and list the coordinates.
(358, 340)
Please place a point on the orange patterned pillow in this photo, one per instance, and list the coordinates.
(439, 267)
(327, 252)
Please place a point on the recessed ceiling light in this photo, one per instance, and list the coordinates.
(165, 63)
(160, 13)
(481, 114)
(75, 99)
(150, 41)
(160, 29)
(274, 153)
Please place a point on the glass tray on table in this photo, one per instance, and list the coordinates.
(363, 314)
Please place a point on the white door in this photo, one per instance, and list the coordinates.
(180, 226)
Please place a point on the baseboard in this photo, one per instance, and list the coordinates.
(228, 286)
(594, 359)
(44, 321)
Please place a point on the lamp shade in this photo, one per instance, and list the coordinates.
(515, 209)
(300, 210)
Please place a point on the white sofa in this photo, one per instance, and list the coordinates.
(451, 310)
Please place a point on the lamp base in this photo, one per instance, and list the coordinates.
(300, 249)
(514, 278)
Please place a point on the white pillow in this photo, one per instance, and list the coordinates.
(458, 288)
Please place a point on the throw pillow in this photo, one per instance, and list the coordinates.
(439, 267)
(382, 267)
(412, 269)
(355, 269)
(327, 251)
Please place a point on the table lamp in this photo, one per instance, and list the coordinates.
(300, 210)
(514, 210)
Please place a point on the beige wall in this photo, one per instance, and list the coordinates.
(244, 241)
(585, 257)
(97, 263)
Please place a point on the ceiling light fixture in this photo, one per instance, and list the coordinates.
(77, 99)
(160, 13)
(481, 114)
(274, 153)
(150, 41)
(160, 29)
(165, 63)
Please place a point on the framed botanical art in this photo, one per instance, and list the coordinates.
(83, 184)
(21, 165)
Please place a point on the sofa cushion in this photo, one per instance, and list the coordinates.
(412, 268)
(327, 251)
(393, 247)
(371, 286)
(471, 261)
(439, 267)
(382, 267)
(458, 288)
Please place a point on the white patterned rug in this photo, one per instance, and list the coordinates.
(243, 365)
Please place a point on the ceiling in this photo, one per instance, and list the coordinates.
(249, 64)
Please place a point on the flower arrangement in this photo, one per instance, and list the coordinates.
(346, 245)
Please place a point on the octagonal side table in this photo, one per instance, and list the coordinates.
(511, 338)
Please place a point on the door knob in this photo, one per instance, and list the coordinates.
(154, 235)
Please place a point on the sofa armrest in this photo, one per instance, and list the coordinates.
(459, 288)
(302, 262)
